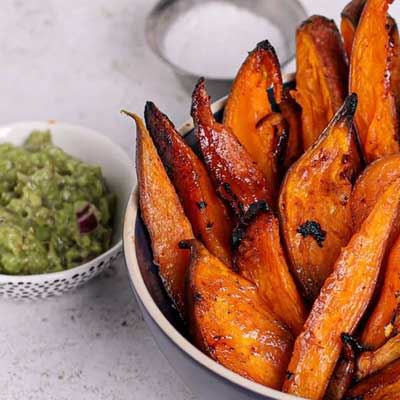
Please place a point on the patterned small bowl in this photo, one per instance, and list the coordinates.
(92, 148)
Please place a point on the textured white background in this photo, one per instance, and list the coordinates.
(81, 61)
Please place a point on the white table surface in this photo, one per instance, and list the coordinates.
(81, 61)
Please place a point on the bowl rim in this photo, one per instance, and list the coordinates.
(154, 312)
(82, 267)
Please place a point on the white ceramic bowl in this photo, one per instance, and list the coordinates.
(206, 378)
(92, 148)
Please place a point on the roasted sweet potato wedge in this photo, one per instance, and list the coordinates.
(351, 15)
(314, 205)
(371, 183)
(370, 362)
(380, 326)
(207, 213)
(163, 216)
(343, 300)
(291, 113)
(236, 176)
(260, 259)
(321, 75)
(384, 385)
(248, 106)
(370, 77)
(231, 323)
(343, 375)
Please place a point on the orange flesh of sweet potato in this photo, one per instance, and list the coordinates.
(384, 385)
(314, 209)
(376, 332)
(260, 259)
(351, 15)
(343, 300)
(231, 323)
(372, 361)
(321, 75)
(163, 216)
(370, 78)
(248, 105)
(371, 183)
(207, 213)
(291, 112)
(236, 176)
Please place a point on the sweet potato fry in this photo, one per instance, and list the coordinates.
(371, 361)
(248, 106)
(321, 76)
(236, 176)
(380, 323)
(351, 15)
(231, 323)
(291, 113)
(261, 260)
(314, 205)
(343, 376)
(207, 213)
(163, 216)
(371, 183)
(384, 385)
(343, 300)
(370, 77)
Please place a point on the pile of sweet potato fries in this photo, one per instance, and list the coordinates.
(278, 240)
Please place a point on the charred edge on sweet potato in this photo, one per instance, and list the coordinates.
(254, 210)
(207, 213)
(236, 176)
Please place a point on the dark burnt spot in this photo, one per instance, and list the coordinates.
(353, 398)
(185, 244)
(217, 338)
(211, 349)
(252, 212)
(289, 375)
(313, 229)
(197, 297)
(346, 158)
(266, 46)
(350, 340)
(228, 189)
(201, 205)
(209, 225)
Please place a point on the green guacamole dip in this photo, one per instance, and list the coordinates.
(55, 211)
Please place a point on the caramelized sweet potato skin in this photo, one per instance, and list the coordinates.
(384, 385)
(261, 260)
(370, 77)
(351, 15)
(207, 213)
(371, 183)
(321, 75)
(343, 376)
(248, 106)
(236, 176)
(231, 323)
(163, 216)
(291, 113)
(343, 300)
(372, 361)
(376, 333)
(314, 209)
